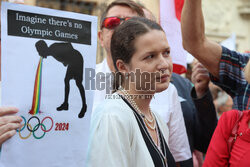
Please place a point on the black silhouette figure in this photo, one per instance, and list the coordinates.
(66, 54)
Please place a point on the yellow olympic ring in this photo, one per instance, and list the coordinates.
(28, 134)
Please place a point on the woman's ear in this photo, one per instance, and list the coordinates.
(121, 66)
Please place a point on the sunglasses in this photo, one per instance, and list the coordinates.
(113, 22)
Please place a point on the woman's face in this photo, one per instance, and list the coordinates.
(152, 59)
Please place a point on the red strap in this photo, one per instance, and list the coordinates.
(233, 136)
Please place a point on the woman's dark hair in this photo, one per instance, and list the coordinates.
(122, 42)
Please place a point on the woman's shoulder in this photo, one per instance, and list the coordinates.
(113, 108)
(112, 104)
(230, 116)
(228, 120)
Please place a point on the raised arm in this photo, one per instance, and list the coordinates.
(194, 39)
(206, 119)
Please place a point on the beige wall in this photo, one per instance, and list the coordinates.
(225, 17)
(152, 5)
(30, 2)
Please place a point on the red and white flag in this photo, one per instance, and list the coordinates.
(170, 15)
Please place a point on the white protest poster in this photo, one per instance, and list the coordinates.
(45, 56)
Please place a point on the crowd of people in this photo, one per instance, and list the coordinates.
(164, 130)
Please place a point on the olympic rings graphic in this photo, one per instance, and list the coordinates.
(36, 127)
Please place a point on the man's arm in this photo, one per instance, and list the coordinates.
(194, 40)
(206, 119)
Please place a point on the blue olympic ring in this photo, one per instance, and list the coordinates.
(23, 125)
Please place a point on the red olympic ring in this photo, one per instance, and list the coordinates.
(51, 124)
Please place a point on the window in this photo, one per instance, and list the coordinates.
(78, 6)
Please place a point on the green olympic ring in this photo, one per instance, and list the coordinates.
(42, 125)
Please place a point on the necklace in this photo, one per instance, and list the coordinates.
(150, 120)
(148, 124)
(147, 121)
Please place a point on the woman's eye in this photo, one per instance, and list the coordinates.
(149, 57)
(166, 53)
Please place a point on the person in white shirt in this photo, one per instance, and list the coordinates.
(165, 103)
(132, 133)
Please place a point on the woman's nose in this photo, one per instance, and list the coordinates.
(163, 62)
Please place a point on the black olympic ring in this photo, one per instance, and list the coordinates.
(35, 129)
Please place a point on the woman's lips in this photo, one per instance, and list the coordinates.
(163, 78)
